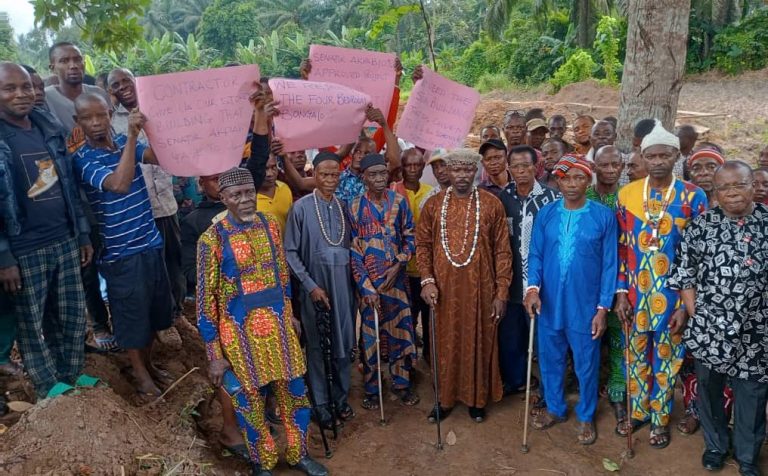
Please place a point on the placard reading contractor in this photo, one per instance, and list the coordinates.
(198, 121)
(439, 112)
(316, 114)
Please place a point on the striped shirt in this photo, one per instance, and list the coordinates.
(125, 221)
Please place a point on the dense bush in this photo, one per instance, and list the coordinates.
(579, 67)
(743, 46)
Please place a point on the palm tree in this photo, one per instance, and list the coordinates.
(156, 19)
(276, 13)
(186, 15)
(584, 16)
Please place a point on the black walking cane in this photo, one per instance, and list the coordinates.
(323, 317)
(435, 382)
(328, 452)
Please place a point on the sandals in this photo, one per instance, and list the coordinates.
(620, 412)
(407, 396)
(688, 425)
(630, 425)
(587, 433)
(370, 402)
(660, 437)
(346, 412)
(538, 405)
(546, 420)
(522, 388)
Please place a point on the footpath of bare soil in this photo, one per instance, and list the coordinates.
(103, 432)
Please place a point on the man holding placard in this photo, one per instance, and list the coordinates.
(131, 259)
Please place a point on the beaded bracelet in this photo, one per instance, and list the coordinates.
(426, 281)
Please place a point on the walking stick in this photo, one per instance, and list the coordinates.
(312, 402)
(435, 382)
(531, 332)
(630, 452)
(323, 318)
(382, 421)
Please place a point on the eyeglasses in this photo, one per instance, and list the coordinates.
(742, 186)
(696, 168)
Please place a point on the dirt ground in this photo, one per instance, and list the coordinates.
(111, 431)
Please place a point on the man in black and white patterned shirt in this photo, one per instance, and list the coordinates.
(721, 270)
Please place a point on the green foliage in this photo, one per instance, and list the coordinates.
(167, 54)
(390, 19)
(104, 24)
(743, 46)
(579, 67)
(489, 82)
(472, 64)
(276, 56)
(225, 23)
(607, 47)
(534, 60)
(8, 47)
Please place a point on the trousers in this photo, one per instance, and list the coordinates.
(250, 411)
(553, 359)
(750, 399)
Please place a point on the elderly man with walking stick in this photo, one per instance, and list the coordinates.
(465, 261)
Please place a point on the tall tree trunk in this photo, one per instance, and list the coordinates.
(657, 38)
(583, 23)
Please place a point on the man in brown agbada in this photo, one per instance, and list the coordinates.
(465, 276)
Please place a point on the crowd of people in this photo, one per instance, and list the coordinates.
(634, 268)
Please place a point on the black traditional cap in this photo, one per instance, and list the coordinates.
(325, 155)
(492, 143)
(235, 176)
(370, 160)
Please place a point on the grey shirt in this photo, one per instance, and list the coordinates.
(315, 262)
(64, 108)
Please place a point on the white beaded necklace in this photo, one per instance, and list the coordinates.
(320, 221)
(444, 228)
(653, 221)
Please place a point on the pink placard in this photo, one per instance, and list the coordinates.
(316, 114)
(370, 72)
(439, 112)
(198, 121)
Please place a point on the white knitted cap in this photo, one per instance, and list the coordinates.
(660, 136)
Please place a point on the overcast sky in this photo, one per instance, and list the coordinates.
(21, 14)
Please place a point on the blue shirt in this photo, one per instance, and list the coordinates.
(125, 221)
(573, 260)
(350, 186)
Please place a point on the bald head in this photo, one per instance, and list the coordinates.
(736, 166)
(608, 166)
(93, 115)
(86, 100)
(607, 152)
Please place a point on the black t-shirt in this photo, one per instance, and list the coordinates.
(38, 192)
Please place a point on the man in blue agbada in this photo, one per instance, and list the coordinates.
(572, 266)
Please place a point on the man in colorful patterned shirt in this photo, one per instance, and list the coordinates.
(382, 244)
(245, 319)
(652, 214)
(720, 271)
